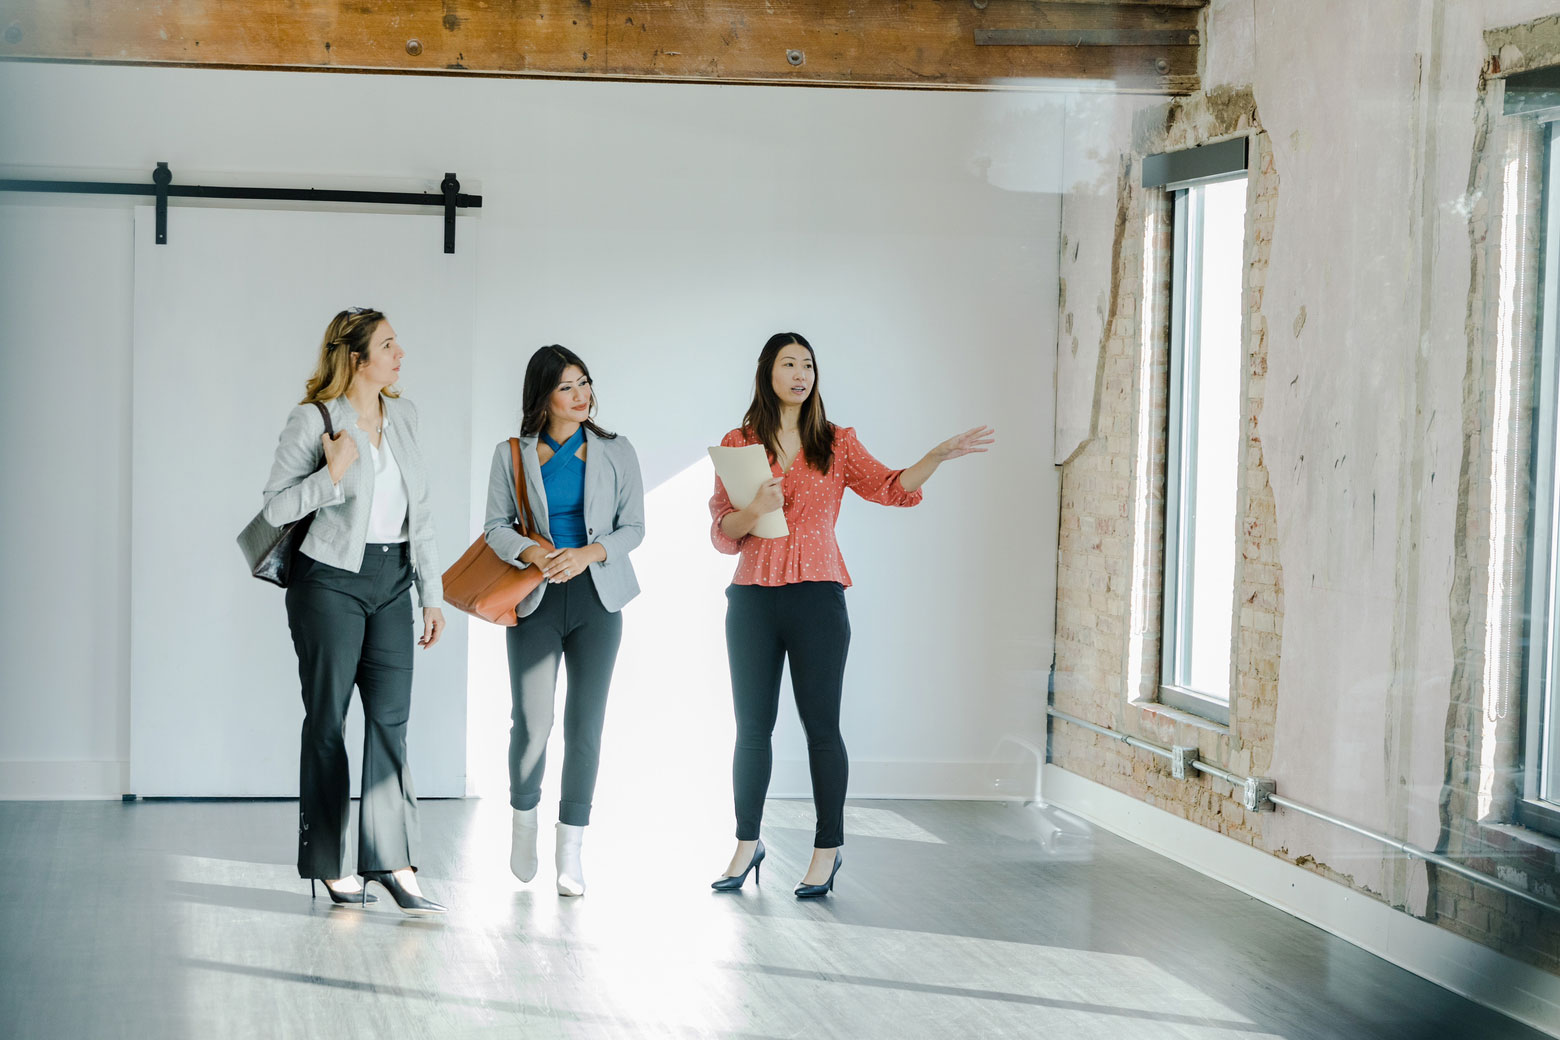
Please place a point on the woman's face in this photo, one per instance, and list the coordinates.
(381, 366)
(792, 376)
(571, 398)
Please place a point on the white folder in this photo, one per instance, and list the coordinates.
(742, 470)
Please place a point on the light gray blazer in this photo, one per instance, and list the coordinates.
(300, 484)
(614, 513)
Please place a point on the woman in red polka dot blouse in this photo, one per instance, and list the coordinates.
(787, 599)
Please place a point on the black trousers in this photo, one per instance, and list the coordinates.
(354, 629)
(571, 625)
(807, 623)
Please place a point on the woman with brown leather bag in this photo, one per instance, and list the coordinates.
(587, 509)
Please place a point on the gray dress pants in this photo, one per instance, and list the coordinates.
(354, 629)
(570, 625)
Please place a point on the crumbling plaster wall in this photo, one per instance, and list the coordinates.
(1095, 169)
(1359, 322)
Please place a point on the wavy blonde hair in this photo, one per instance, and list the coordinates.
(342, 350)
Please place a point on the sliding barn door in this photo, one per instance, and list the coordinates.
(228, 318)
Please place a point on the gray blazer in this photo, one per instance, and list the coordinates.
(300, 484)
(614, 514)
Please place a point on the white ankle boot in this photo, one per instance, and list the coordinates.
(522, 845)
(571, 876)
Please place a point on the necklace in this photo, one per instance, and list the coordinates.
(379, 424)
(378, 427)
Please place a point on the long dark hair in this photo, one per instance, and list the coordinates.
(762, 420)
(542, 376)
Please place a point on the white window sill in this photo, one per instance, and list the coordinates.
(1179, 717)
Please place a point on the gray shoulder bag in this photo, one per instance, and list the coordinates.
(269, 549)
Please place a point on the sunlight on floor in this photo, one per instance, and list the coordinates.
(860, 821)
(651, 950)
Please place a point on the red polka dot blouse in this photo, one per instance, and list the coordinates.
(812, 506)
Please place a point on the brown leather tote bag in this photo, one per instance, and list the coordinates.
(485, 586)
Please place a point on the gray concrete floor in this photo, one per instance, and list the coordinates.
(949, 919)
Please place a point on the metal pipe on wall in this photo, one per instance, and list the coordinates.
(1406, 848)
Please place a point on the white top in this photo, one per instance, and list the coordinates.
(387, 518)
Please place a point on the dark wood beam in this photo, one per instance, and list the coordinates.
(1126, 45)
(1193, 4)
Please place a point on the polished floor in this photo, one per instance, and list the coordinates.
(950, 919)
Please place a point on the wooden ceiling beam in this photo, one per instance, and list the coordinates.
(1125, 45)
(1194, 4)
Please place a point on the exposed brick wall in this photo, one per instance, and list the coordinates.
(1489, 916)
(1259, 600)
(1111, 549)
(1113, 498)
(1484, 730)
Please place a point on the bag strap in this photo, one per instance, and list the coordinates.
(329, 429)
(527, 520)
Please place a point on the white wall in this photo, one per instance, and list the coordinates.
(65, 511)
(664, 232)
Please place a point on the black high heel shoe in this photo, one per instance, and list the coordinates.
(409, 904)
(342, 898)
(731, 884)
(814, 891)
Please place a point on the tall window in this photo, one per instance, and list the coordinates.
(1539, 801)
(1204, 443)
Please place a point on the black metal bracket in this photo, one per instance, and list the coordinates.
(450, 198)
(450, 185)
(162, 177)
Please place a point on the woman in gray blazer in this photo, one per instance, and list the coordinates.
(349, 603)
(587, 498)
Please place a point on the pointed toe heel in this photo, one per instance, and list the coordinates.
(814, 891)
(414, 905)
(730, 883)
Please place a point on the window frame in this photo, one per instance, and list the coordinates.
(1538, 800)
(1180, 465)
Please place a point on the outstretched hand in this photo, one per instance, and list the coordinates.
(970, 442)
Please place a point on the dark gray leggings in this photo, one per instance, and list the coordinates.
(805, 622)
(570, 624)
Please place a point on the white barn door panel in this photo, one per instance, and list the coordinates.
(228, 318)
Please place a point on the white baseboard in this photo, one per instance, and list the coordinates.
(959, 781)
(962, 781)
(63, 781)
(1483, 975)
